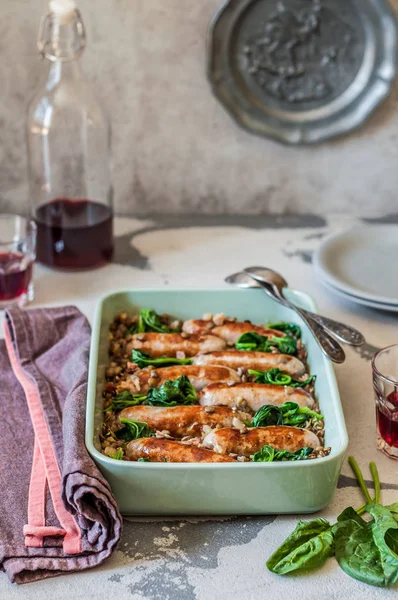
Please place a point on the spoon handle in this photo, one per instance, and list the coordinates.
(344, 333)
(329, 346)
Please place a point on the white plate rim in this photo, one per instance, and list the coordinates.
(392, 308)
(323, 271)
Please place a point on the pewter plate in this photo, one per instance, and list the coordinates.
(302, 71)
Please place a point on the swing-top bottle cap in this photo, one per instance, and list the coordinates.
(64, 10)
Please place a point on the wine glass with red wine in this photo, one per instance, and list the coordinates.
(385, 382)
(17, 255)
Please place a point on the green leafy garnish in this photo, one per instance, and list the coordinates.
(143, 460)
(142, 360)
(254, 342)
(133, 430)
(170, 393)
(148, 320)
(270, 454)
(173, 392)
(365, 550)
(291, 328)
(289, 413)
(118, 456)
(125, 399)
(277, 377)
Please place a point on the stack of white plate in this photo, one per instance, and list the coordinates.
(361, 266)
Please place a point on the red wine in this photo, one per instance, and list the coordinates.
(15, 275)
(387, 419)
(74, 234)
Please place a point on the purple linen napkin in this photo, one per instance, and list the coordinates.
(57, 512)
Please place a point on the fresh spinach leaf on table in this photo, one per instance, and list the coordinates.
(308, 547)
(365, 550)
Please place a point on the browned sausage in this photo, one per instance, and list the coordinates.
(253, 395)
(226, 441)
(168, 344)
(143, 379)
(230, 331)
(162, 450)
(180, 421)
(259, 361)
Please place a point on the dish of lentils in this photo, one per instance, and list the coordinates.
(212, 389)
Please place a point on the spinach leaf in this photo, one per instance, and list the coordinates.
(133, 430)
(356, 551)
(393, 508)
(367, 551)
(350, 513)
(118, 456)
(308, 547)
(277, 377)
(385, 530)
(364, 550)
(142, 360)
(296, 415)
(148, 320)
(267, 415)
(173, 392)
(291, 328)
(270, 454)
(125, 399)
(254, 342)
(289, 413)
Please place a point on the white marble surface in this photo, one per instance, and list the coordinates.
(176, 150)
(199, 559)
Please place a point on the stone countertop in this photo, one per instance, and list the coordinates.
(203, 558)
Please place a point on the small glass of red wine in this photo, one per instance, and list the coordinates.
(385, 383)
(17, 255)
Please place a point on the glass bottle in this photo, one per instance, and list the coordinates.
(69, 152)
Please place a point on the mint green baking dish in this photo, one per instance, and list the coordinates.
(219, 489)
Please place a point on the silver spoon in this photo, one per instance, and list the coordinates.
(328, 345)
(344, 333)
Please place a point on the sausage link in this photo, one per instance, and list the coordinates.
(259, 361)
(168, 344)
(160, 450)
(253, 395)
(199, 376)
(226, 441)
(182, 421)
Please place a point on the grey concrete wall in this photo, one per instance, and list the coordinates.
(175, 148)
